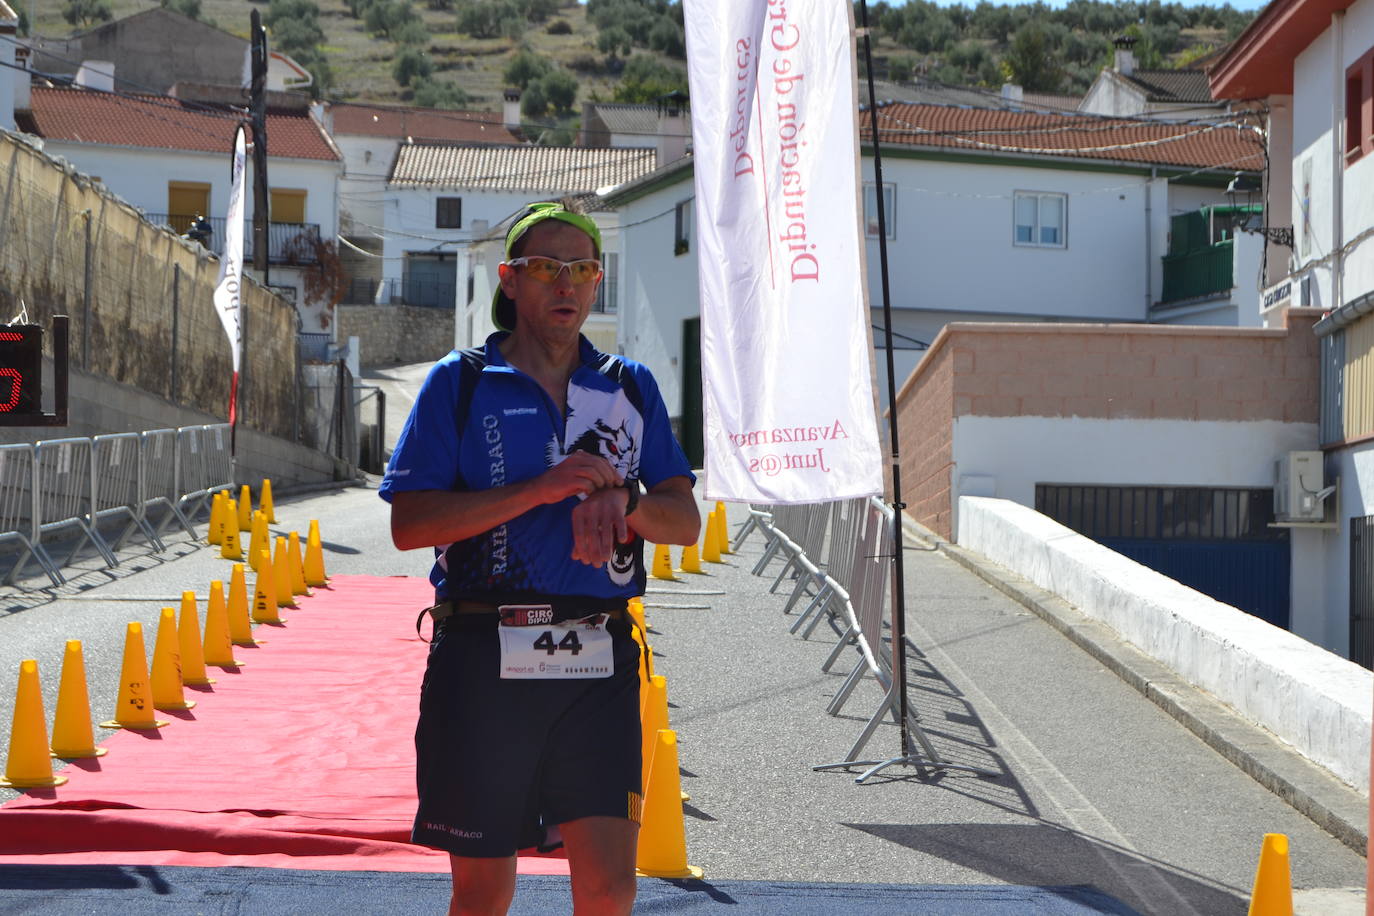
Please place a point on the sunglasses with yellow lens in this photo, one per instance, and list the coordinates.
(546, 270)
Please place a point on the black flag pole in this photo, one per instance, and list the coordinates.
(929, 759)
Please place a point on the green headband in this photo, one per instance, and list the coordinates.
(502, 308)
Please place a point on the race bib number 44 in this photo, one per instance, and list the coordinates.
(533, 648)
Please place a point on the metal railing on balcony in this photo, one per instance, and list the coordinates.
(1198, 273)
(410, 291)
(288, 243)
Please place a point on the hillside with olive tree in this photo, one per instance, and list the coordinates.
(464, 53)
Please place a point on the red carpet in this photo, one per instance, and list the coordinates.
(302, 758)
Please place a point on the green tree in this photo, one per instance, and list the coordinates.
(614, 42)
(666, 36)
(87, 12)
(388, 17)
(526, 67)
(1030, 61)
(432, 93)
(295, 35)
(900, 67)
(294, 24)
(414, 33)
(492, 19)
(646, 79)
(411, 63)
(533, 102)
(559, 89)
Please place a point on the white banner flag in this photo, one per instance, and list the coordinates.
(227, 289)
(785, 361)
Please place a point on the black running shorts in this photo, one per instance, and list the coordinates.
(496, 758)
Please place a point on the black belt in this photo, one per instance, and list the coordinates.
(563, 608)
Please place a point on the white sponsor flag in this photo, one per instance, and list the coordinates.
(785, 362)
(227, 291)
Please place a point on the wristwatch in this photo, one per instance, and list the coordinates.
(632, 488)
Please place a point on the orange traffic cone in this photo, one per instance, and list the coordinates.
(295, 566)
(240, 627)
(214, 531)
(189, 649)
(653, 715)
(663, 562)
(71, 726)
(218, 649)
(265, 501)
(281, 575)
(257, 539)
(232, 548)
(166, 673)
(314, 557)
(710, 542)
(1273, 891)
(265, 595)
(29, 764)
(134, 708)
(245, 505)
(635, 608)
(662, 849)
(691, 559)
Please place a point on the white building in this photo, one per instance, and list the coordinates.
(170, 158)
(1311, 62)
(991, 216)
(1125, 90)
(369, 138)
(447, 207)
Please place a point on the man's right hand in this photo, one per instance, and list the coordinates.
(579, 473)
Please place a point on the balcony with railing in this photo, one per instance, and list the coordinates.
(288, 243)
(1201, 258)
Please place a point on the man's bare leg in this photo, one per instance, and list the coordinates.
(481, 887)
(601, 860)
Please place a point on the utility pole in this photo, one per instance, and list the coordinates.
(257, 108)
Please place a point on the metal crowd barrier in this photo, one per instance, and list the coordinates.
(60, 485)
(18, 515)
(851, 585)
(851, 576)
(66, 494)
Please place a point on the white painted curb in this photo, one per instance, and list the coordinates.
(1310, 698)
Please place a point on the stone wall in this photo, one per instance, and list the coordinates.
(391, 335)
(140, 298)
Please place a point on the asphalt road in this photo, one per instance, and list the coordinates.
(1094, 784)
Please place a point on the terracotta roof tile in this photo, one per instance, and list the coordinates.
(1223, 146)
(557, 169)
(158, 122)
(421, 123)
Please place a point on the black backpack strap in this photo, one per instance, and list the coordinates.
(473, 361)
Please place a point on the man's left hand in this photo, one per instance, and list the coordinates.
(598, 525)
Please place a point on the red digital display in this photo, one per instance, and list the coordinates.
(21, 370)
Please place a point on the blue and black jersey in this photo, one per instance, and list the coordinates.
(479, 423)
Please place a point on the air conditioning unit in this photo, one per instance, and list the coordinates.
(1299, 489)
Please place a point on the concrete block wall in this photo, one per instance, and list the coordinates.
(925, 418)
(1310, 698)
(391, 335)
